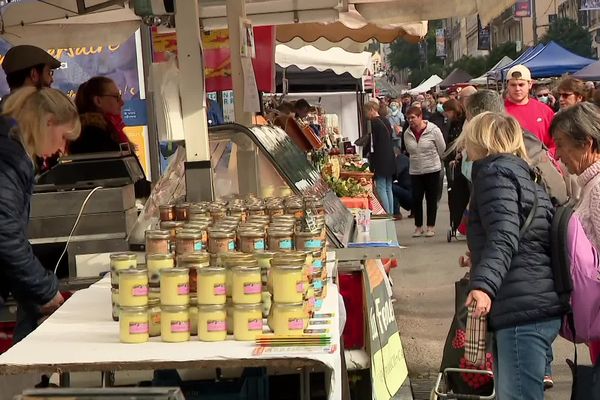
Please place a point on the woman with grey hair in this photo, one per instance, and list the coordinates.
(576, 131)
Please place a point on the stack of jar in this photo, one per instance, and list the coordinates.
(119, 262)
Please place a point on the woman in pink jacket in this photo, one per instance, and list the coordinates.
(576, 131)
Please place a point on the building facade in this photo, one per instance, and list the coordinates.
(588, 19)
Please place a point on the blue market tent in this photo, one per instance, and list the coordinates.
(551, 60)
(500, 72)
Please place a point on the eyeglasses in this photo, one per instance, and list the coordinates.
(566, 95)
(114, 96)
(543, 95)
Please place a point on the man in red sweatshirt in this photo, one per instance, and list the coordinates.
(534, 116)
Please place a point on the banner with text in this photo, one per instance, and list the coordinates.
(440, 43)
(587, 5)
(522, 8)
(483, 36)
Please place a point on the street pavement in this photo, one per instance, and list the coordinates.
(424, 292)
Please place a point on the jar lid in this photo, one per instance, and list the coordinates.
(123, 256)
(251, 306)
(194, 257)
(251, 232)
(166, 207)
(264, 254)
(171, 224)
(155, 290)
(210, 270)
(154, 302)
(281, 232)
(308, 234)
(174, 308)
(288, 267)
(246, 268)
(189, 234)
(211, 307)
(256, 207)
(221, 234)
(193, 299)
(156, 232)
(174, 271)
(181, 206)
(134, 310)
(133, 271)
(158, 257)
(288, 305)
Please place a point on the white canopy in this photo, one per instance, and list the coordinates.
(336, 59)
(426, 85)
(483, 79)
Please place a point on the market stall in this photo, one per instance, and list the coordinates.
(426, 85)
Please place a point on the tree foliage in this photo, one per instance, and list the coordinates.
(570, 35)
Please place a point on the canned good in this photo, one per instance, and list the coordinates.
(174, 324)
(174, 287)
(156, 263)
(119, 262)
(288, 283)
(167, 212)
(247, 285)
(133, 288)
(182, 211)
(133, 324)
(211, 285)
(188, 241)
(212, 323)
(158, 242)
(220, 241)
(154, 317)
(281, 240)
(288, 318)
(247, 321)
(251, 240)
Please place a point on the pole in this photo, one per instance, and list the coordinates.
(236, 9)
(198, 172)
(534, 21)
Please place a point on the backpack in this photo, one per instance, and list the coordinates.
(543, 162)
(576, 267)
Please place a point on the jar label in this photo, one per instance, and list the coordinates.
(252, 287)
(300, 287)
(183, 288)
(180, 326)
(318, 284)
(231, 245)
(311, 302)
(140, 290)
(138, 327)
(198, 246)
(312, 244)
(215, 325)
(317, 263)
(285, 244)
(255, 324)
(219, 289)
(259, 244)
(295, 323)
(318, 303)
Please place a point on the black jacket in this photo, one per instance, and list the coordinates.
(97, 135)
(402, 174)
(20, 271)
(454, 130)
(382, 158)
(515, 272)
(441, 122)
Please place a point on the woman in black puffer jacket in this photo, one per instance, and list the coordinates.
(511, 274)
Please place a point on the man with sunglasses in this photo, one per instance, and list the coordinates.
(533, 115)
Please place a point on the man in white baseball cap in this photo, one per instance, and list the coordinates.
(534, 116)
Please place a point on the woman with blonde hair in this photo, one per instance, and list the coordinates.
(508, 236)
(34, 122)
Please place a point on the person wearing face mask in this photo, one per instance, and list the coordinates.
(396, 119)
(544, 95)
(438, 117)
(100, 105)
(34, 122)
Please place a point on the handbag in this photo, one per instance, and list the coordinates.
(586, 378)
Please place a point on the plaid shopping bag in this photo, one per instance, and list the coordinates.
(475, 344)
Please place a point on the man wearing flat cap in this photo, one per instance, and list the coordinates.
(27, 65)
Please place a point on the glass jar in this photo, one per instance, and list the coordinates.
(283, 219)
(156, 263)
(247, 286)
(114, 299)
(193, 315)
(193, 261)
(154, 317)
(310, 241)
(133, 324)
(217, 213)
(251, 240)
(158, 242)
(182, 211)
(174, 287)
(133, 288)
(221, 241)
(212, 323)
(197, 210)
(288, 283)
(230, 260)
(276, 209)
(264, 262)
(119, 262)
(256, 209)
(188, 241)
(281, 239)
(267, 299)
(167, 212)
(296, 258)
(240, 212)
(154, 293)
(296, 210)
(171, 227)
(174, 324)
(247, 321)
(288, 318)
(211, 285)
(203, 228)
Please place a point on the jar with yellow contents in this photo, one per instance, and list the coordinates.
(247, 283)
(211, 285)
(155, 263)
(158, 242)
(133, 324)
(247, 321)
(193, 261)
(212, 323)
(133, 288)
(288, 283)
(193, 315)
(154, 317)
(174, 287)
(174, 324)
(288, 318)
(251, 240)
(303, 258)
(120, 262)
(221, 241)
(230, 260)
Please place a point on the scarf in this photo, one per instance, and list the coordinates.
(116, 120)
